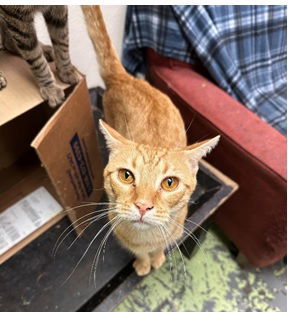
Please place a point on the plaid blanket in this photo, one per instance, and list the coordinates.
(242, 47)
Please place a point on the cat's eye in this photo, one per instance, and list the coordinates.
(170, 183)
(126, 176)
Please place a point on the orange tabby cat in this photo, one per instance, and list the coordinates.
(151, 173)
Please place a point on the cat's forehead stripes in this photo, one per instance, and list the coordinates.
(165, 168)
(151, 156)
(134, 163)
(152, 160)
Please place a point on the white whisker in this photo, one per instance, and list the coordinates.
(176, 244)
(55, 248)
(94, 238)
(197, 225)
(191, 122)
(93, 220)
(168, 251)
(87, 204)
(96, 258)
(194, 238)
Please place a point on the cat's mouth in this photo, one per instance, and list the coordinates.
(140, 223)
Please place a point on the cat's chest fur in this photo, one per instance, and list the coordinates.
(144, 239)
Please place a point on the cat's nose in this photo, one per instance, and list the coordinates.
(143, 207)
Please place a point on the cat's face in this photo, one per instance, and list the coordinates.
(148, 186)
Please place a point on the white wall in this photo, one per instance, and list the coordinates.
(81, 49)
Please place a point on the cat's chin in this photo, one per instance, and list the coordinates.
(141, 224)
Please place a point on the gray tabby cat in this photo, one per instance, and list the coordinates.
(19, 37)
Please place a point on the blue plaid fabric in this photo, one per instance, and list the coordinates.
(242, 47)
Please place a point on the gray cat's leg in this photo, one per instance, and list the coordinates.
(9, 45)
(48, 52)
(22, 33)
(57, 22)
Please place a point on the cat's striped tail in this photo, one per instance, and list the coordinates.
(109, 63)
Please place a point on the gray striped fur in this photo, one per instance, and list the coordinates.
(19, 37)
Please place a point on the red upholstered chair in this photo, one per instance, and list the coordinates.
(250, 152)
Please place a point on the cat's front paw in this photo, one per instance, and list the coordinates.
(3, 81)
(53, 95)
(69, 75)
(158, 260)
(141, 267)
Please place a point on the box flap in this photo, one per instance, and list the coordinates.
(68, 149)
(22, 92)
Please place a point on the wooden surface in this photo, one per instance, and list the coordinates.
(22, 92)
(33, 281)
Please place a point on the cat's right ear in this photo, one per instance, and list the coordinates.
(114, 140)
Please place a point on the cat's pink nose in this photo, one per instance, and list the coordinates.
(143, 207)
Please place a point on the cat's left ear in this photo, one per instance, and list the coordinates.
(199, 150)
(113, 139)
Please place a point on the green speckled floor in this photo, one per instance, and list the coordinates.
(213, 282)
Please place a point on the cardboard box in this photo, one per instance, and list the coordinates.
(44, 147)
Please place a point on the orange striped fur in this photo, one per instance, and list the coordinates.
(146, 136)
